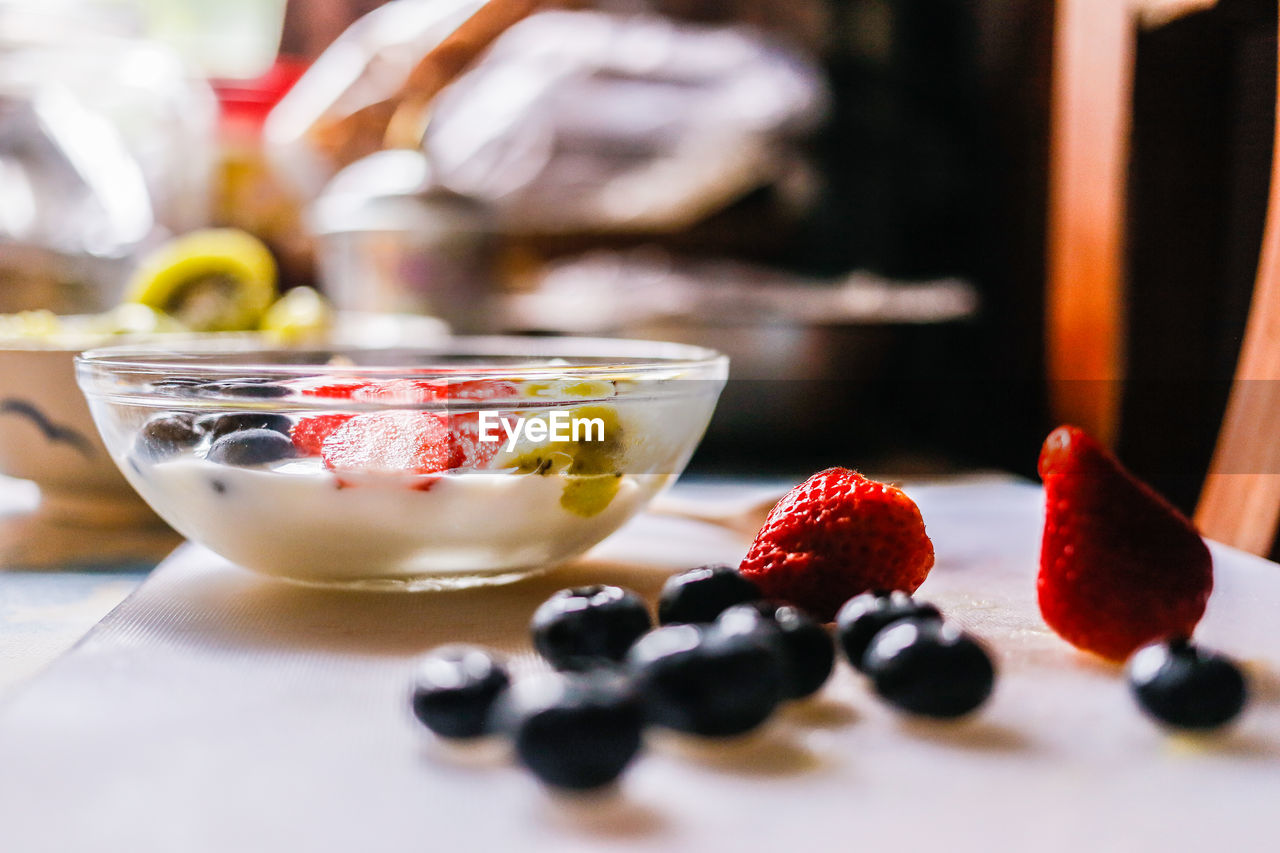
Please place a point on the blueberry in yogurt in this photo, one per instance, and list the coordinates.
(167, 434)
(216, 426)
(251, 447)
(244, 388)
(177, 384)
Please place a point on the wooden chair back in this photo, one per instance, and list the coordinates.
(1094, 48)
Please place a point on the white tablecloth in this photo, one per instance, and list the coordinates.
(214, 711)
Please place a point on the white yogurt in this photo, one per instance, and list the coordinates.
(296, 520)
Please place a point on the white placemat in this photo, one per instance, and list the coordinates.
(214, 711)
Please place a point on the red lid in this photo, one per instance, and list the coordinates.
(249, 101)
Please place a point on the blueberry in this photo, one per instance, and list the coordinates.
(805, 646)
(1185, 686)
(702, 594)
(455, 689)
(178, 384)
(244, 388)
(579, 628)
(864, 616)
(216, 426)
(704, 681)
(165, 435)
(575, 731)
(929, 667)
(251, 447)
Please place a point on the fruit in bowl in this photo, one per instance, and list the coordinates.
(433, 465)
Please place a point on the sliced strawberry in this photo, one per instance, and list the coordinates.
(337, 390)
(389, 443)
(309, 434)
(414, 390)
(397, 442)
(468, 450)
(481, 389)
(465, 425)
(402, 391)
(402, 442)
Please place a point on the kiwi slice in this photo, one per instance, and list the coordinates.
(214, 280)
(301, 312)
(591, 468)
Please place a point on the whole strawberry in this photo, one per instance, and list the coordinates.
(1119, 565)
(834, 536)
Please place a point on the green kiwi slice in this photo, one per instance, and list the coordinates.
(213, 280)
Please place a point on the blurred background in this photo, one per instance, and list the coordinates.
(850, 197)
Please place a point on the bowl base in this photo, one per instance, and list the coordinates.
(425, 583)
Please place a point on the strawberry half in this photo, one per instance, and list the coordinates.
(1119, 565)
(308, 434)
(337, 390)
(389, 443)
(401, 442)
(401, 391)
(834, 536)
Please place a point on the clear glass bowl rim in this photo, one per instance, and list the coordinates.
(106, 371)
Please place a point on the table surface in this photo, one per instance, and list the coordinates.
(44, 612)
(214, 710)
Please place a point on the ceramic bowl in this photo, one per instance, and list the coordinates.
(47, 435)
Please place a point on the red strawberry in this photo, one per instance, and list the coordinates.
(834, 536)
(402, 391)
(481, 389)
(340, 390)
(414, 390)
(403, 442)
(468, 450)
(309, 433)
(400, 442)
(1119, 565)
(389, 443)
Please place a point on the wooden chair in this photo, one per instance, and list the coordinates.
(1085, 302)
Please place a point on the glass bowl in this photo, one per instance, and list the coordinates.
(447, 464)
